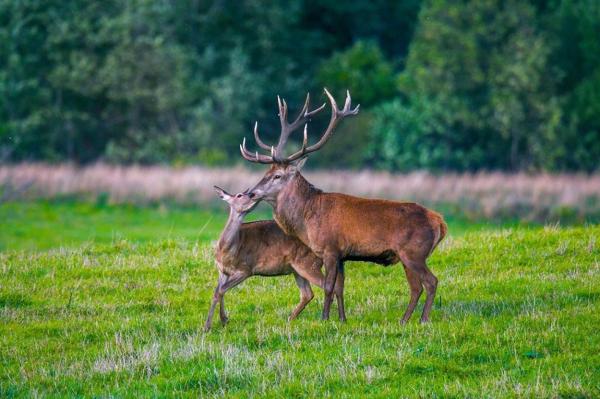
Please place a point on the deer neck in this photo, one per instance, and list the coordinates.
(230, 237)
(290, 208)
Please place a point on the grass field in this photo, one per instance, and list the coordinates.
(109, 301)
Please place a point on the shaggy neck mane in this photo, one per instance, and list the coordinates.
(292, 205)
(303, 187)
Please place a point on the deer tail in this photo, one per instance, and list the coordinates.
(440, 229)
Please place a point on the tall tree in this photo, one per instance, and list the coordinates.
(575, 28)
(478, 91)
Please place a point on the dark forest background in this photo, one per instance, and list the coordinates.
(443, 85)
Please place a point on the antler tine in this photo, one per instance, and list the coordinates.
(304, 109)
(302, 151)
(347, 103)
(282, 111)
(256, 157)
(331, 99)
(304, 115)
(285, 109)
(279, 102)
(305, 139)
(260, 143)
(287, 128)
(245, 153)
(336, 116)
(348, 100)
(315, 111)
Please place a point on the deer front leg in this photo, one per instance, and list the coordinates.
(339, 291)
(211, 310)
(331, 271)
(231, 282)
(222, 313)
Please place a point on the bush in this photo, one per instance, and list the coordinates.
(363, 70)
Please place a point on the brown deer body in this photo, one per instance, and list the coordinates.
(340, 227)
(260, 249)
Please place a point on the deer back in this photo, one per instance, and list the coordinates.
(266, 250)
(365, 229)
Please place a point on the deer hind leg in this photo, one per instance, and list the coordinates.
(416, 288)
(311, 271)
(306, 295)
(429, 281)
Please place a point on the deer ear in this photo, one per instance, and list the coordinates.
(299, 164)
(222, 193)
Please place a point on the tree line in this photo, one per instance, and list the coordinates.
(443, 84)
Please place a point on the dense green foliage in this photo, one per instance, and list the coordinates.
(445, 85)
(476, 82)
(516, 316)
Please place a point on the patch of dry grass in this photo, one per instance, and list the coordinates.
(540, 197)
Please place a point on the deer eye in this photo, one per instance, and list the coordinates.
(239, 196)
(277, 177)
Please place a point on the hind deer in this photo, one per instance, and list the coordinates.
(259, 249)
(339, 227)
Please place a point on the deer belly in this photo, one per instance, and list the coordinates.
(385, 258)
(272, 269)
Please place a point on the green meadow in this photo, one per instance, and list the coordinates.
(102, 300)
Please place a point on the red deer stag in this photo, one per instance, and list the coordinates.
(260, 249)
(339, 227)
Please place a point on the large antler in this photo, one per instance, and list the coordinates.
(287, 128)
(336, 116)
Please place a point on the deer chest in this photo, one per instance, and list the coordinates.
(226, 264)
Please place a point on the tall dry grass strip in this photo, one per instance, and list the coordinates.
(491, 195)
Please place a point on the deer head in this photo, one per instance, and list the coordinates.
(284, 168)
(240, 203)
